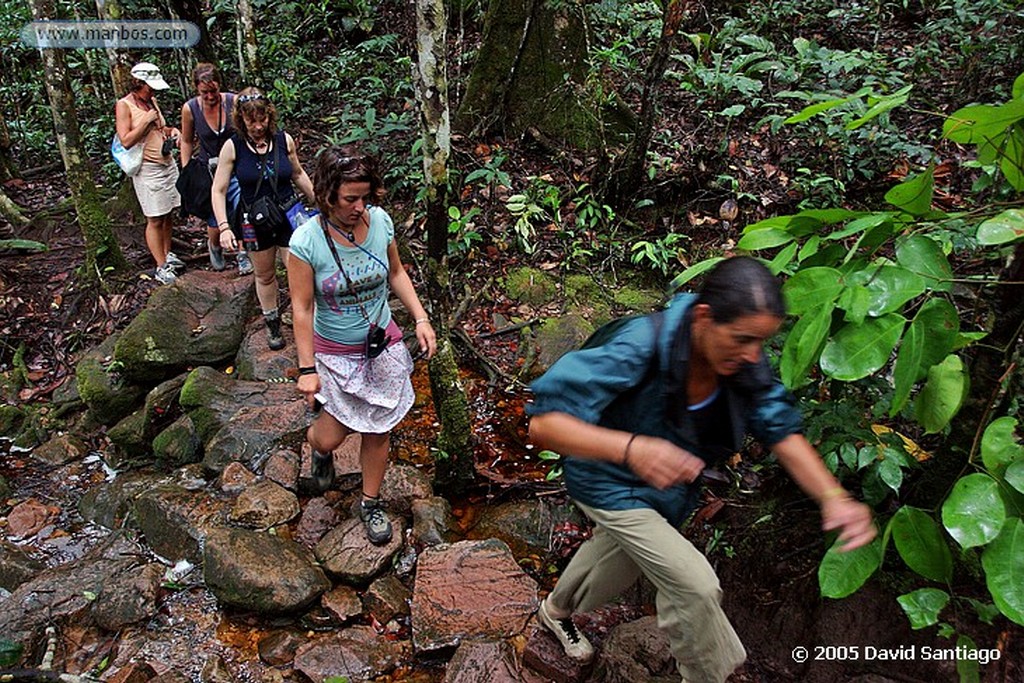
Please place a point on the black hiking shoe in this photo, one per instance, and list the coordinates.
(321, 469)
(274, 338)
(378, 526)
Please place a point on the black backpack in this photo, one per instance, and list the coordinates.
(194, 184)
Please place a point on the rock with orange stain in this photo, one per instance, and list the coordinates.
(30, 517)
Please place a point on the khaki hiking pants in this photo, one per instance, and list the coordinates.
(627, 543)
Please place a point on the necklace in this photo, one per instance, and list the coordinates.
(142, 104)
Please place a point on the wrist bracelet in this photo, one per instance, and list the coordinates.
(422, 320)
(625, 453)
(307, 370)
(833, 493)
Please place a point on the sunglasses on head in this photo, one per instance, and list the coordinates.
(242, 99)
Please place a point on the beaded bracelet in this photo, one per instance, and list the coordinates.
(422, 320)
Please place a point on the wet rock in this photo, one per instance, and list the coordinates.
(283, 467)
(5, 494)
(256, 361)
(558, 336)
(134, 672)
(132, 442)
(636, 651)
(178, 445)
(342, 602)
(175, 520)
(212, 397)
(62, 595)
(198, 320)
(261, 572)
(544, 655)
(128, 598)
(216, 671)
(109, 504)
(61, 449)
(16, 566)
(11, 419)
(235, 478)
(347, 554)
(29, 517)
(356, 652)
(317, 519)
(403, 484)
(109, 395)
(264, 504)
(386, 598)
(253, 433)
(525, 526)
(432, 521)
(171, 677)
(470, 590)
(487, 662)
(278, 647)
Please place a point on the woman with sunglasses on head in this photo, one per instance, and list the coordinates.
(140, 122)
(205, 127)
(266, 163)
(344, 264)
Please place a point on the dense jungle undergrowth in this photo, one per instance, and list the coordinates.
(782, 130)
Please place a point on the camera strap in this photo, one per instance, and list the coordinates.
(337, 261)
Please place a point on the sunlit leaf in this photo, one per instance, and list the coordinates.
(1003, 561)
(812, 288)
(764, 239)
(890, 287)
(884, 104)
(923, 606)
(920, 543)
(1002, 229)
(999, 445)
(1015, 475)
(694, 271)
(974, 513)
(856, 351)
(842, 573)
(815, 109)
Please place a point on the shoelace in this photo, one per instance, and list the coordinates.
(570, 629)
(375, 516)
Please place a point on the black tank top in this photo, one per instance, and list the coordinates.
(248, 164)
(210, 140)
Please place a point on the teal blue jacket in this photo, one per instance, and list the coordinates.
(637, 383)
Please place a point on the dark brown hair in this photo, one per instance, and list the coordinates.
(253, 102)
(346, 164)
(205, 72)
(740, 286)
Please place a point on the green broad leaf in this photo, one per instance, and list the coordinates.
(693, 271)
(855, 301)
(889, 471)
(809, 248)
(1003, 561)
(922, 606)
(1015, 475)
(914, 195)
(1018, 87)
(1002, 229)
(783, 258)
(986, 611)
(819, 217)
(848, 454)
(884, 104)
(866, 455)
(815, 109)
(969, 670)
(812, 288)
(999, 445)
(965, 339)
(973, 512)
(842, 573)
(890, 287)
(925, 257)
(336, 679)
(942, 395)
(30, 246)
(857, 351)
(929, 339)
(982, 122)
(10, 653)
(733, 111)
(919, 541)
(803, 345)
(860, 225)
(1013, 153)
(764, 239)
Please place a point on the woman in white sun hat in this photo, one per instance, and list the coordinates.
(140, 122)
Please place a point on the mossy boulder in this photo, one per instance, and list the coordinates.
(178, 445)
(199, 320)
(638, 300)
(132, 442)
(11, 420)
(530, 286)
(558, 336)
(109, 395)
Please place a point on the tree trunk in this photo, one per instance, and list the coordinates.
(248, 56)
(118, 60)
(11, 213)
(192, 10)
(532, 73)
(8, 168)
(101, 248)
(454, 468)
(626, 174)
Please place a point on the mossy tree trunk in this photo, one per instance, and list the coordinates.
(454, 468)
(11, 213)
(248, 54)
(101, 248)
(117, 60)
(626, 174)
(531, 73)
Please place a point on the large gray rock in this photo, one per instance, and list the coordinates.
(105, 389)
(526, 526)
(176, 519)
(357, 652)
(133, 436)
(432, 521)
(492, 596)
(128, 598)
(16, 566)
(199, 320)
(403, 484)
(256, 361)
(264, 504)
(109, 504)
(253, 434)
(178, 445)
(347, 554)
(259, 571)
(61, 449)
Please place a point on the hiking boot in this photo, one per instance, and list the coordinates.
(244, 264)
(274, 339)
(165, 274)
(174, 262)
(217, 257)
(378, 526)
(574, 643)
(321, 469)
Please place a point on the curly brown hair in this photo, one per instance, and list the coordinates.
(346, 164)
(254, 103)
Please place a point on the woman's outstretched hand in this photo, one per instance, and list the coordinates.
(852, 518)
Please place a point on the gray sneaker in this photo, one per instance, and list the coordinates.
(174, 262)
(378, 526)
(165, 274)
(574, 643)
(217, 257)
(244, 264)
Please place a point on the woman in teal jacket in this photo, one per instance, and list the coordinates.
(640, 416)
